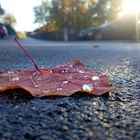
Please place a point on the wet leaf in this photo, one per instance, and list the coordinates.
(63, 80)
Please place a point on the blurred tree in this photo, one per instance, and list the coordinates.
(42, 13)
(71, 14)
(1, 10)
(9, 19)
(76, 14)
(113, 9)
(105, 10)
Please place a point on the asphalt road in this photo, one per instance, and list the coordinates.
(116, 116)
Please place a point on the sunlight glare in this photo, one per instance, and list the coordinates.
(22, 10)
(131, 6)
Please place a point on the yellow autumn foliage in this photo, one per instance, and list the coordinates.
(22, 35)
(50, 27)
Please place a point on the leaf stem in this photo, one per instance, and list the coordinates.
(27, 54)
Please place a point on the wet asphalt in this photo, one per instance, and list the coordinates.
(115, 116)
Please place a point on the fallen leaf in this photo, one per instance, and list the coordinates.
(63, 80)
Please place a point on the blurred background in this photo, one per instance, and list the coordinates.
(70, 19)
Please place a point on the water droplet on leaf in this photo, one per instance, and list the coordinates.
(10, 72)
(45, 91)
(59, 89)
(63, 71)
(39, 78)
(95, 78)
(87, 87)
(14, 78)
(80, 71)
(65, 82)
(36, 85)
(50, 71)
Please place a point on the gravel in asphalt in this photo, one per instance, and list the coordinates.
(82, 117)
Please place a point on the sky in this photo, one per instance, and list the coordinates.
(22, 10)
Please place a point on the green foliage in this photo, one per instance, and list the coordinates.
(76, 14)
(42, 13)
(9, 19)
(71, 14)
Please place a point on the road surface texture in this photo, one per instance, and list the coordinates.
(82, 117)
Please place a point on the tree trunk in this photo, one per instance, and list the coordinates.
(65, 34)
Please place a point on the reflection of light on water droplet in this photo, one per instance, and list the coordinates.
(35, 85)
(45, 91)
(65, 82)
(95, 78)
(59, 89)
(4, 74)
(63, 71)
(10, 72)
(39, 77)
(34, 73)
(14, 78)
(66, 70)
(50, 71)
(80, 71)
(87, 87)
